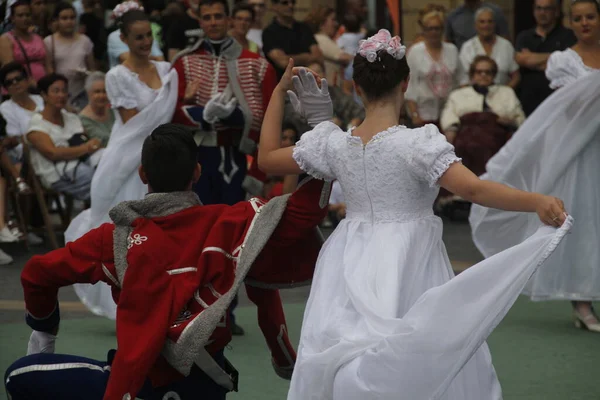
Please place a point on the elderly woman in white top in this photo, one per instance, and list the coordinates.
(487, 42)
(434, 71)
(97, 117)
(479, 119)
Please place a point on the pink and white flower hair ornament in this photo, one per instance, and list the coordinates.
(125, 7)
(382, 41)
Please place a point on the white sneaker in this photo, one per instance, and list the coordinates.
(34, 239)
(6, 236)
(5, 258)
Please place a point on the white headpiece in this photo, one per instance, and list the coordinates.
(124, 7)
(382, 41)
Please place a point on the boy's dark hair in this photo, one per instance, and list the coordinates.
(379, 78)
(60, 7)
(243, 6)
(169, 158)
(45, 82)
(11, 67)
(352, 23)
(212, 2)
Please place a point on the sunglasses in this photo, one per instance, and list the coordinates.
(9, 82)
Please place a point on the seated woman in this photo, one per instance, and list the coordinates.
(17, 113)
(60, 154)
(97, 117)
(479, 119)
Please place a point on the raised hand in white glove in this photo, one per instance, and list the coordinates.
(41, 342)
(217, 108)
(312, 102)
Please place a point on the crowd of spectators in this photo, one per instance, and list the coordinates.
(53, 56)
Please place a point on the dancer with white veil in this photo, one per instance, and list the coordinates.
(557, 152)
(386, 318)
(143, 94)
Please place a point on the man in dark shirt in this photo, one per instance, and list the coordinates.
(533, 48)
(185, 31)
(287, 38)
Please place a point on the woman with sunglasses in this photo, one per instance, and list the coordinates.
(478, 119)
(22, 45)
(557, 152)
(434, 71)
(17, 112)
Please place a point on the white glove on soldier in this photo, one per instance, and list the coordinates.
(217, 109)
(41, 342)
(312, 103)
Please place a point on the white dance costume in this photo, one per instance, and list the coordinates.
(386, 318)
(555, 152)
(116, 178)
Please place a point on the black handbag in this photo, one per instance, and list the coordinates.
(77, 140)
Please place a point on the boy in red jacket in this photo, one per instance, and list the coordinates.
(174, 266)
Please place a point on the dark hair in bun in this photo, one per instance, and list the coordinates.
(131, 17)
(379, 78)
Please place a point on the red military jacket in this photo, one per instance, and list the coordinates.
(250, 78)
(174, 267)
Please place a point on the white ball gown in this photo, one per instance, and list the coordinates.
(555, 152)
(386, 318)
(116, 178)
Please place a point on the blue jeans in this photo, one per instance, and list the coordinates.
(67, 377)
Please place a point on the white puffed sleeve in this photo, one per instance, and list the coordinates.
(431, 154)
(311, 154)
(563, 68)
(119, 90)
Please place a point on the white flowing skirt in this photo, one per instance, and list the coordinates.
(555, 152)
(116, 179)
(387, 319)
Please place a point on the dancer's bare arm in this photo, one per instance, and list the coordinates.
(461, 181)
(272, 159)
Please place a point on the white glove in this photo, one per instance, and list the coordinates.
(217, 109)
(312, 103)
(41, 342)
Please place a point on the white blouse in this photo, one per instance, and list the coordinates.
(432, 81)
(503, 53)
(17, 118)
(565, 67)
(60, 135)
(502, 100)
(125, 89)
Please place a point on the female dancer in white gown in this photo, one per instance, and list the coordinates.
(386, 318)
(143, 94)
(557, 151)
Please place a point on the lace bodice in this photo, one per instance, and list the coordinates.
(392, 178)
(565, 67)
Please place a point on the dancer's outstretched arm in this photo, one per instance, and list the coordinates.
(460, 180)
(272, 159)
(312, 102)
